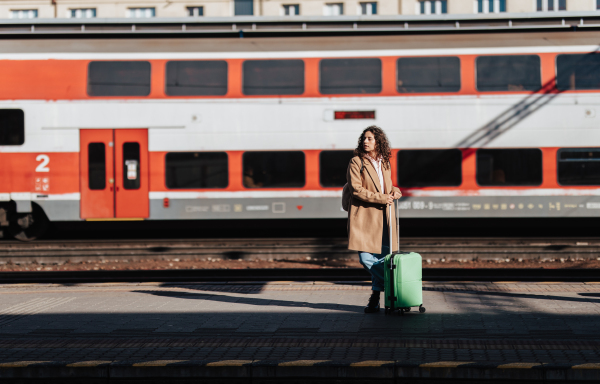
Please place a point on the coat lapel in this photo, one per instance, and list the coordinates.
(373, 174)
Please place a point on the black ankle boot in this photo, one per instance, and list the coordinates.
(373, 305)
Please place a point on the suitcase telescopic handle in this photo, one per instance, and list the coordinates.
(397, 228)
(397, 223)
(390, 228)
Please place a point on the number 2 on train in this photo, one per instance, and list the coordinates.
(43, 165)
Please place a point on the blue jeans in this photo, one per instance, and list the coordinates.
(374, 262)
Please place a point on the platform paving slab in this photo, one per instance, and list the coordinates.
(272, 331)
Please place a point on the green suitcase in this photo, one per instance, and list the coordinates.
(403, 279)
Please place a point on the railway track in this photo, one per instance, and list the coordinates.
(266, 275)
(58, 251)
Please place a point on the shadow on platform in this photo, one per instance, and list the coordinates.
(527, 295)
(257, 301)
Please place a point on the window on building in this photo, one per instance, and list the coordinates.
(428, 74)
(579, 166)
(291, 9)
(508, 73)
(119, 78)
(12, 127)
(196, 78)
(551, 5)
(243, 7)
(333, 9)
(429, 168)
(273, 77)
(274, 169)
(333, 166)
(597, 4)
(368, 8)
(581, 71)
(508, 167)
(24, 14)
(432, 7)
(193, 170)
(141, 12)
(348, 76)
(490, 6)
(96, 166)
(195, 11)
(82, 13)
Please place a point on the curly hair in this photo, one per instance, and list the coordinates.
(382, 145)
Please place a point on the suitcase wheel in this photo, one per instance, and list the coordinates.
(387, 311)
(421, 308)
(407, 309)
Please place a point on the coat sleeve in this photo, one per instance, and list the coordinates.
(355, 180)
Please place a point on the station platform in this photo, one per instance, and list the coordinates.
(304, 331)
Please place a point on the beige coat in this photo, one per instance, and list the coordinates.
(368, 207)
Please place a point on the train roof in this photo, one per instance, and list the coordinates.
(267, 26)
(312, 46)
(275, 34)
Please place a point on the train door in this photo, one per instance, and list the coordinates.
(114, 173)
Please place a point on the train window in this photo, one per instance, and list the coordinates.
(333, 166)
(12, 127)
(131, 165)
(429, 168)
(509, 73)
(578, 71)
(196, 78)
(347, 76)
(119, 78)
(428, 74)
(505, 167)
(273, 77)
(579, 166)
(96, 166)
(189, 170)
(273, 169)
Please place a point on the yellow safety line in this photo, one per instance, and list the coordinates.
(519, 365)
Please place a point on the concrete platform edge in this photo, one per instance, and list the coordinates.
(313, 369)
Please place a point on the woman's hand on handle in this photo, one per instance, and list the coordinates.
(397, 195)
(390, 199)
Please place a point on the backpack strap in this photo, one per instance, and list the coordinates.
(362, 164)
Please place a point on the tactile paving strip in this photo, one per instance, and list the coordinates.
(257, 287)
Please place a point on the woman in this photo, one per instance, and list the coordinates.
(370, 180)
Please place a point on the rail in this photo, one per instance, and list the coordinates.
(462, 249)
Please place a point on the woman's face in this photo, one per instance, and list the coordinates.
(369, 143)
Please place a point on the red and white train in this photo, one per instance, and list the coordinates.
(501, 124)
